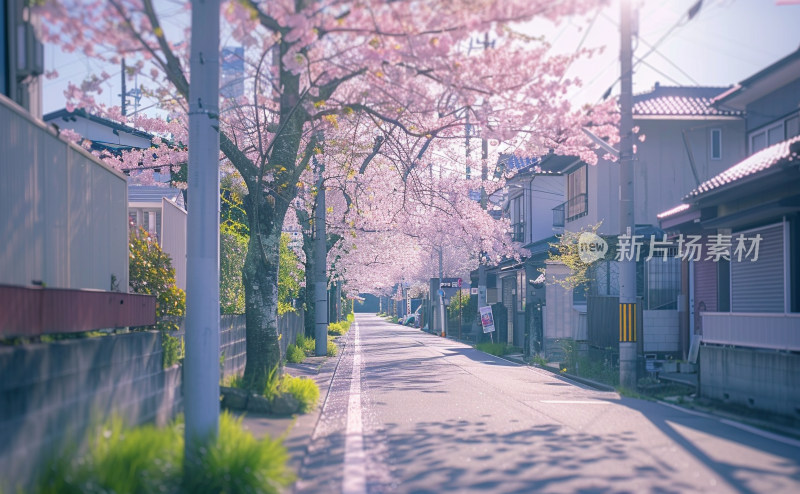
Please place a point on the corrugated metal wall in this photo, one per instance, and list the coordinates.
(758, 286)
(63, 214)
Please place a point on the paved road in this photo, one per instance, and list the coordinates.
(418, 413)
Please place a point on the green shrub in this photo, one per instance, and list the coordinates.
(233, 250)
(149, 459)
(173, 348)
(151, 273)
(235, 381)
(304, 389)
(308, 345)
(351, 317)
(332, 349)
(120, 460)
(295, 354)
(338, 328)
(239, 463)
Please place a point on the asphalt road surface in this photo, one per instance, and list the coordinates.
(412, 412)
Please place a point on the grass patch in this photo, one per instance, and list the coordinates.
(149, 459)
(308, 345)
(295, 354)
(240, 463)
(497, 349)
(338, 328)
(304, 389)
(539, 360)
(332, 349)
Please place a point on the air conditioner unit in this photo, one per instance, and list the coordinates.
(30, 52)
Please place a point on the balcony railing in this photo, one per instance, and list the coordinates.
(755, 330)
(558, 215)
(577, 206)
(518, 232)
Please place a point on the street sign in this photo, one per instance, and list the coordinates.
(450, 283)
(473, 290)
(487, 321)
(459, 282)
(440, 292)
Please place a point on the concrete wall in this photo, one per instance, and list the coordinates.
(51, 393)
(63, 214)
(660, 331)
(762, 379)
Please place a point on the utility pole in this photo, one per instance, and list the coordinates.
(441, 297)
(201, 373)
(320, 267)
(627, 265)
(124, 90)
(484, 204)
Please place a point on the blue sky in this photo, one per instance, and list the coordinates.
(725, 43)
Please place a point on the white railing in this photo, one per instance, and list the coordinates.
(757, 330)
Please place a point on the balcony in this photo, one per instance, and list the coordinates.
(577, 207)
(518, 232)
(762, 330)
(558, 215)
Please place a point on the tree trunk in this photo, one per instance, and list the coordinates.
(260, 278)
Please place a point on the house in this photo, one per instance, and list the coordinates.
(745, 303)
(21, 57)
(106, 136)
(60, 207)
(161, 211)
(537, 186)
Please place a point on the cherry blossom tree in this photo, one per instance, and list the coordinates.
(397, 75)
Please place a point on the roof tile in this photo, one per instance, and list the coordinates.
(680, 101)
(780, 154)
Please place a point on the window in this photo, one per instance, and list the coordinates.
(517, 217)
(780, 130)
(792, 126)
(716, 144)
(577, 198)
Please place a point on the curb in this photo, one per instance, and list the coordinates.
(582, 380)
(327, 372)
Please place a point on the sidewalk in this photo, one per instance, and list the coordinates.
(297, 430)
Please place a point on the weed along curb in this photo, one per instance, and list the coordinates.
(582, 380)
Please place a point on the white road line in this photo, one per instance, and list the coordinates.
(577, 402)
(355, 471)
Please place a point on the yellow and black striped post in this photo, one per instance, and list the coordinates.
(627, 322)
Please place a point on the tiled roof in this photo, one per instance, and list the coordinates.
(512, 162)
(677, 209)
(778, 154)
(680, 101)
